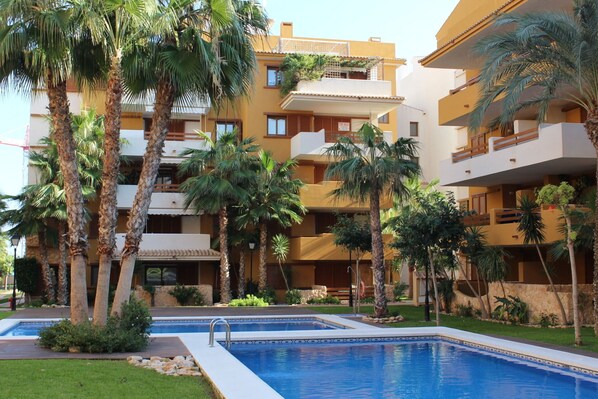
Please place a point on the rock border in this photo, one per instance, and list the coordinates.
(176, 366)
(383, 320)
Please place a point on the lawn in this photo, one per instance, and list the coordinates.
(5, 313)
(94, 379)
(414, 317)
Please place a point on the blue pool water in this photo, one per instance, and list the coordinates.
(25, 329)
(422, 369)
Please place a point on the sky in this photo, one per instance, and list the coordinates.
(411, 25)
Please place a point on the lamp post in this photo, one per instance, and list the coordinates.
(14, 241)
(251, 248)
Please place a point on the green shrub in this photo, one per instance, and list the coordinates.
(27, 274)
(548, 320)
(367, 299)
(127, 333)
(464, 310)
(267, 295)
(186, 295)
(511, 309)
(398, 290)
(293, 297)
(249, 300)
(327, 300)
(36, 303)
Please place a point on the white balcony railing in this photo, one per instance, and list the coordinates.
(526, 156)
(166, 202)
(175, 143)
(312, 145)
(346, 87)
(168, 242)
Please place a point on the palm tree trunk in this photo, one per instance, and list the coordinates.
(552, 287)
(63, 135)
(224, 260)
(107, 210)
(591, 126)
(574, 288)
(436, 298)
(502, 287)
(138, 215)
(49, 292)
(485, 282)
(263, 277)
(63, 283)
(380, 309)
(241, 283)
(477, 295)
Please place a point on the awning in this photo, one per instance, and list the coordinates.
(176, 254)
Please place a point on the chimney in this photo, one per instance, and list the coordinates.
(286, 29)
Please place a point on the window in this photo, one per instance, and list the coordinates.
(160, 275)
(273, 77)
(383, 119)
(277, 126)
(414, 129)
(224, 127)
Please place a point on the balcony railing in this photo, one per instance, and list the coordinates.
(515, 139)
(176, 136)
(166, 188)
(465, 85)
(469, 153)
(477, 220)
(507, 215)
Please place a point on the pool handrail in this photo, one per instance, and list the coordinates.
(213, 324)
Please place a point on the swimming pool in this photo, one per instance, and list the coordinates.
(176, 326)
(409, 367)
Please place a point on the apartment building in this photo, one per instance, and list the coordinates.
(358, 87)
(501, 166)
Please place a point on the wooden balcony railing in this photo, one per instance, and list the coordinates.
(507, 215)
(166, 188)
(332, 137)
(512, 140)
(465, 85)
(177, 136)
(469, 153)
(477, 220)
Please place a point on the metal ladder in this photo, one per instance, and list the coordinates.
(213, 324)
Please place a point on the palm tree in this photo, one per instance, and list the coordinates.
(371, 169)
(207, 52)
(532, 228)
(37, 39)
(492, 267)
(472, 247)
(27, 220)
(274, 198)
(554, 53)
(219, 179)
(47, 196)
(116, 26)
(280, 249)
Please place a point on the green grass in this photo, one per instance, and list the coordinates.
(94, 379)
(4, 314)
(414, 317)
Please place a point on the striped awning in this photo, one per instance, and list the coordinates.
(177, 254)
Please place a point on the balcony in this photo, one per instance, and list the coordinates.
(136, 142)
(351, 97)
(317, 197)
(525, 157)
(500, 225)
(455, 108)
(322, 248)
(311, 146)
(166, 199)
(192, 108)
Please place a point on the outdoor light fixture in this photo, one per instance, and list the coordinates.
(14, 241)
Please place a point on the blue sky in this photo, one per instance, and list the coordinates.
(412, 25)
